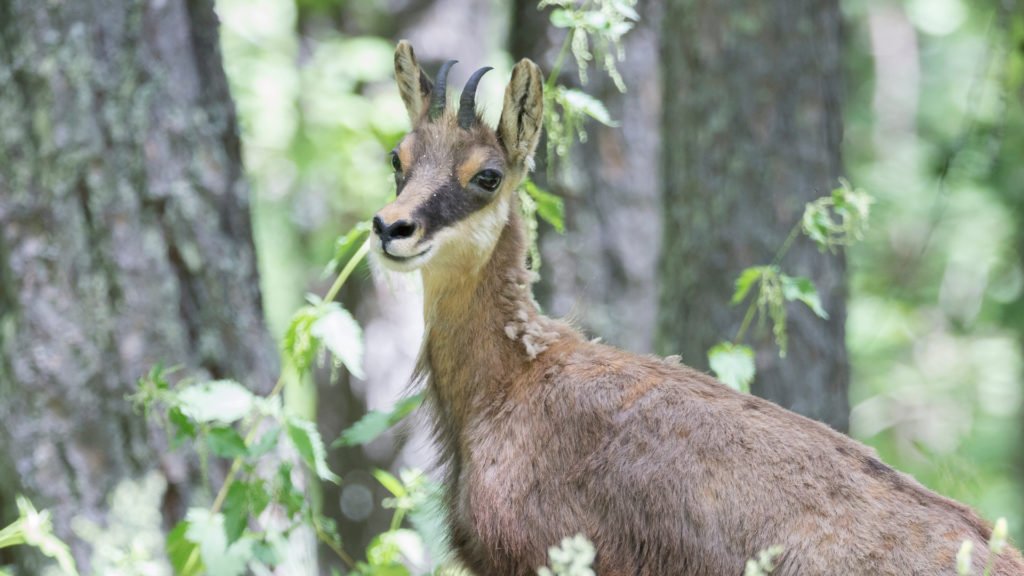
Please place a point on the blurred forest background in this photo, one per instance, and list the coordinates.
(159, 161)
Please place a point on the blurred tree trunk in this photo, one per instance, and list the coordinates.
(752, 122)
(124, 242)
(603, 271)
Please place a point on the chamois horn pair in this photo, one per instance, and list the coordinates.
(467, 102)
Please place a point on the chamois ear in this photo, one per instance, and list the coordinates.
(522, 115)
(413, 83)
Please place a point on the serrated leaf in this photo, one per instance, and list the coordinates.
(226, 442)
(266, 443)
(183, 553)
(339, 332)
(582, 103)
(550, 208)
(347, 246)
(307, 442)
(746, 281)
(803, 290)
(236, 511)
(388, 481)
(733, 364)
(220, 401)
(376, 422)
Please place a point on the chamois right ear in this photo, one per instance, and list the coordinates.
(522, 115)
(413, 83)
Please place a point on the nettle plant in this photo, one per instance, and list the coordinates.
(832, 222)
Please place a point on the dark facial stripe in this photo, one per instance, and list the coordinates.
(448, 205)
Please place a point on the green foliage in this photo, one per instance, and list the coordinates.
(307, 441)
(831, 221)
(549, 207)
(34, 528)
(595, 26)
(733, 364)
(574, 556)
(324, 325)
(376, 422)
(839, 219)
(565, 113)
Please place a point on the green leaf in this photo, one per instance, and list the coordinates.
(562, 18)
(376, 422)
(183, 553)
(266, 443)
(257, 496)
(339, 332)
(265, 552)
(733, 364)
(580, 102)
(220, 558)
(184, 428)
(746, 281)
(310, 446)
(388, 481)
(236, 511)
(550, 208)
(226, 442)
(298, 344)
(285, 493)
(803, 290)
(220, 401)
(346, 247)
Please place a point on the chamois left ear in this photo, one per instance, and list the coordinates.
(522, 115)
(413, 83)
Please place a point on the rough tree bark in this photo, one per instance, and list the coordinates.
(752, 132)
(603, 270)
(124, 242)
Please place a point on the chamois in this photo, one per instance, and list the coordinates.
(544, 434)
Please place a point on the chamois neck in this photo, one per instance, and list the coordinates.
(482, 326)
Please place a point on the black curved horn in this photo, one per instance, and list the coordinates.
(438, 99)
(467, 102)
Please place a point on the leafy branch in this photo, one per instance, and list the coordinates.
(837, 220)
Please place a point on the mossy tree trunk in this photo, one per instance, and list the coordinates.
(603, 271)
(752, 120)
(124, 242)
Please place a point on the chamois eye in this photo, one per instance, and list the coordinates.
(396, 162)
(488, 180)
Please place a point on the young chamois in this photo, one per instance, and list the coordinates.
(544, 434)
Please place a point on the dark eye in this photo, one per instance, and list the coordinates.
(396, 162)
(488, 180)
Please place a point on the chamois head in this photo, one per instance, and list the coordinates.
(456, 177)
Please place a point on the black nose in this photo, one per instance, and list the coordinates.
(395, 231)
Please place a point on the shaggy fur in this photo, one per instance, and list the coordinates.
(544, 434)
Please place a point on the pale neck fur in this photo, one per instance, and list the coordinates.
(482, 325)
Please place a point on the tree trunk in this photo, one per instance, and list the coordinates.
(752, 132)
(124, 242)
(603, 271)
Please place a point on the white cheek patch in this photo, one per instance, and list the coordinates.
(468, 244)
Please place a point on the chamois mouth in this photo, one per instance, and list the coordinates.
(403, 263)
(397, 258)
